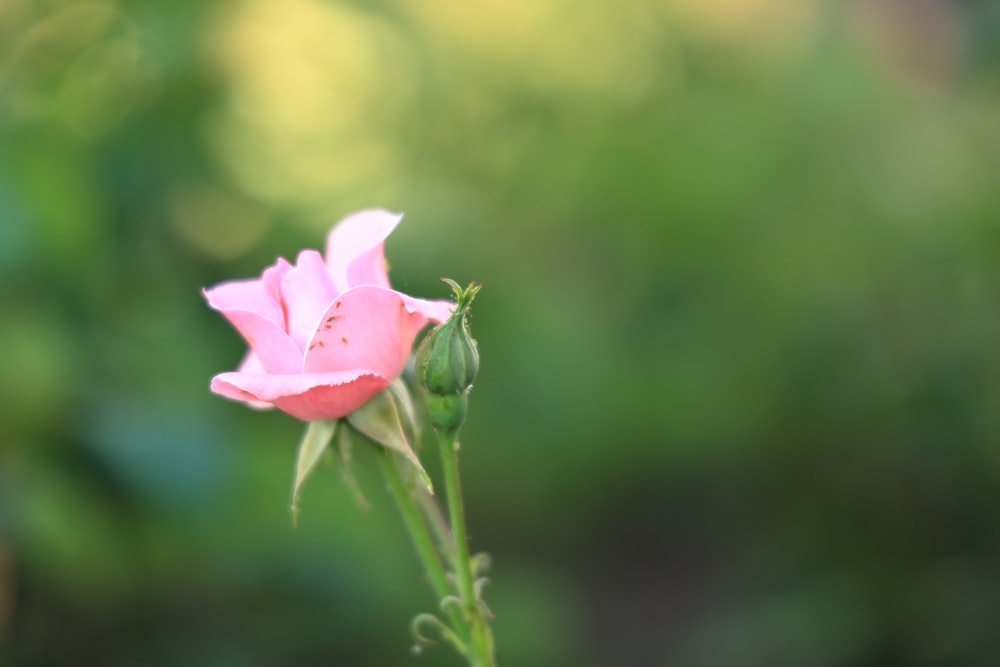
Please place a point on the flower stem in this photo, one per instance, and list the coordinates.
(438, 526)
(424, 543)
(481, 638)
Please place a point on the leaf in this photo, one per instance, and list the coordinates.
(314, 442)
(379, 420)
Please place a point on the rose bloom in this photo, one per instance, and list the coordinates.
(325, 334)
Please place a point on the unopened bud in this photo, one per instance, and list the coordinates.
(447, 362)
(448, 359)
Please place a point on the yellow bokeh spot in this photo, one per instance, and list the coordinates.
(773, 33)
(311, 89)
(493, 27)
(215, 222)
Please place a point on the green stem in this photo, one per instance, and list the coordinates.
(481, 639)
(424, 543)
(438, 525)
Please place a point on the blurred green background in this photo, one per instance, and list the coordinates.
(738, 403)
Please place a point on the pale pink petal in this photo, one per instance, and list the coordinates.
(272, 278)
(435, 311)
(354, 249)
(276, 352)
(254, 308)
(309, 396)
(251, 364)
(307, 292)
(372, 328)
(247, 295)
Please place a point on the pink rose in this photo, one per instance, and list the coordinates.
(325, 335)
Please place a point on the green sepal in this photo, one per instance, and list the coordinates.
(314, 442)
(381, 420)
(345, 447)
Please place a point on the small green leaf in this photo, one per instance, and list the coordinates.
(314, 442)
(379, 420)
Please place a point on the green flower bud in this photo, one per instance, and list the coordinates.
(447, 362)
(448, 358)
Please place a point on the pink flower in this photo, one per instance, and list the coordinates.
(325, 335)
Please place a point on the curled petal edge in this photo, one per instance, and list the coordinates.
(354, 249)
(306, 396)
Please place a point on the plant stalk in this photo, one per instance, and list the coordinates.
(424, 543)
(481, 637)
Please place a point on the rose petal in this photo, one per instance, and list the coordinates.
(254, 309)
(435, 311)
(372, 328)
(354, 249)
(307, 292)
(274, 349)
(251, 364)
(308, 396)
(259, 295)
